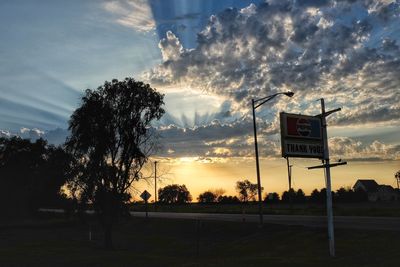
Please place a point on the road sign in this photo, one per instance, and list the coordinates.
(145, 195)
(301, 136)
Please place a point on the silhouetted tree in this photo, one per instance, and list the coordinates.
(347, 195)
(207, 197)
(218, 192)
(288, 196)
(272, 198)
(316, 196)
(247, 190)
(31, 175)
(174, 194)
(344, 195)
(228, 199)
(300, 196)
(111, 136)
(319, 196)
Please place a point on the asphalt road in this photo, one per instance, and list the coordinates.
(349, 222)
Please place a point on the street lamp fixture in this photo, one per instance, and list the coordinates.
(255, 104)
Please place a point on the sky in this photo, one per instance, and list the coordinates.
(210, 58)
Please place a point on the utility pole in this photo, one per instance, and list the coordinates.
(326, 165)
(397, 177)
(155, 183)
(289, 168)
(327, 180)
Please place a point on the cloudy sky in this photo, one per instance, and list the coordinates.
(210, 58)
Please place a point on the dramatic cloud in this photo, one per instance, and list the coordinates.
(348, 148)
(134, 14)
(236, 140)
(55, 137)
(345, 51)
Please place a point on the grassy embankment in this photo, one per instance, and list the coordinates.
(156, 242)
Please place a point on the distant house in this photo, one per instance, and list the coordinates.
(367, 185)
(375, 191)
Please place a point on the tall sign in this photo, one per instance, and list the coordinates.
(301, 136)
(306, 137)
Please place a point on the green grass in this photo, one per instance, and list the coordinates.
(156, 242)
(384, 209)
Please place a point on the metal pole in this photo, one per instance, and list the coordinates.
(289, 168)
(147, 214)
(328, 183)
(290, 184)
(155, 182)
(260, 211)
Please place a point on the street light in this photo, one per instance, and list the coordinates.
(255, 104)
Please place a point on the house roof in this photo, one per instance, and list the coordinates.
(386, 187)
(369, 184)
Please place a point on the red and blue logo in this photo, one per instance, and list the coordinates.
(302, 127)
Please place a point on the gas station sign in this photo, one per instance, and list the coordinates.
(301, 136)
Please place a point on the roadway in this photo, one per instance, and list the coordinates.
(349, 222)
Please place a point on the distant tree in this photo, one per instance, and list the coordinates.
(397, 177)
(174, 194)
(316, 196)
(288, 196)
(320, 196)
(112, 138)
(345, 195)
(218, 192)
(31, 175)
(300, 197)
(207, 197)
(272, 198)
(247, 190)
(228, 199)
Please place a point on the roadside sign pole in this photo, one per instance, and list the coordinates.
(328, 182)
(155, 185)
(289, 167)
(145, 203)
(145, 196)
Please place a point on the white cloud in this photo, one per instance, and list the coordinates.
(135, 14)
(55, 137)
(306, 46)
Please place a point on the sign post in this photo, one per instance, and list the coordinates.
(328, 182)
(306, 137)
(145, 196)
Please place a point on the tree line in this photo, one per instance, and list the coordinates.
(247, 192)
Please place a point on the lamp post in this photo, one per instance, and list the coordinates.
(255, 104)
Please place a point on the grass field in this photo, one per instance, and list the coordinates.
(156, 242)
(384, 209)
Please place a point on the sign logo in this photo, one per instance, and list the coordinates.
(303, 127)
